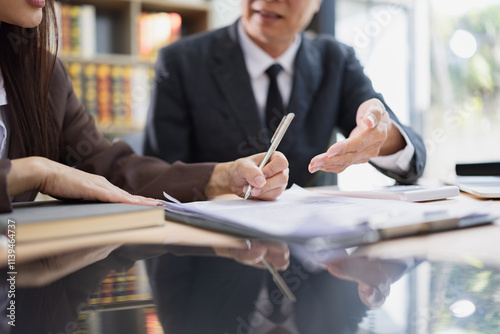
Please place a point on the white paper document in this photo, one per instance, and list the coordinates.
(411, 193)
(303, 214)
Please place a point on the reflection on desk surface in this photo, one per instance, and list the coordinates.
(440, 298)
(371, 296)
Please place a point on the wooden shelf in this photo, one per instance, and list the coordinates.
(110, 59)
(124, 17)
(113, 131)
(118, 306)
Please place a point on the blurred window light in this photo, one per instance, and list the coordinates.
(463, 308)
(463, 44)
(452, 331)
(460, 7)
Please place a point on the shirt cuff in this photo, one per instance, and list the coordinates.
(399, 162)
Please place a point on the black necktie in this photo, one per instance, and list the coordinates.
(274, 105)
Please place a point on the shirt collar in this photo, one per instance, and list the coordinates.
(258, 61)
(3, 94)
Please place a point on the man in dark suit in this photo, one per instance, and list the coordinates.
(214, 99)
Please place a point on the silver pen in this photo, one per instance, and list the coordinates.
(275, 141)
(285, 290)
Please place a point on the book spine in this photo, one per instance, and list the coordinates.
(66, 29)
(106, 293)
(127, 94)
(89, 323)
(90, 83)
(162, 32)
(104, 94)
(76, 73)
(118, 95)
(120, 292)
(157, 30)
(140, 92)
(58, 14)
(88, 31)
(153, 326)
(145, 35)
(176, 26)
(142, 287)
(75, 31)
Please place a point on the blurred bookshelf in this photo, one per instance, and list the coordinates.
(122, 304)
(110, 47)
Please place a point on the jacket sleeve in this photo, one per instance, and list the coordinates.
(356, 89)
(5, 201)
(169, 123)
(85, 147)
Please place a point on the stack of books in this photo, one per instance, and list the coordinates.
(115, 95)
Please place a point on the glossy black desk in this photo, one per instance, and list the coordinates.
(445, 283)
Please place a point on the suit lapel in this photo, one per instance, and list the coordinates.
(229, 70)
(307, 79)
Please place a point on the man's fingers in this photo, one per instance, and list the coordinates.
(349, 145)
(371, 120)
(273, 188)
(370, 113)
(372, 297)
(277, 164)
(258, 178)
(275, 177)
(373, 114)
(339, 163)
(280, 261)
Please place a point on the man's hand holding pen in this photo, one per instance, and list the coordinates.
(234, 177)
(275, 141)
(244, 178)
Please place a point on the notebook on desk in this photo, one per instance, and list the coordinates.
(479, 179)
(480, 186)
(318, 220)
(47, 220)
(408, 193)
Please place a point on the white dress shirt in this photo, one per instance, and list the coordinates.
(4, 139)
(258, 61)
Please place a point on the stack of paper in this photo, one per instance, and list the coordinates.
(303, 216)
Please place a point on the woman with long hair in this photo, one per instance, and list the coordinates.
(50, 144)
(45, 131)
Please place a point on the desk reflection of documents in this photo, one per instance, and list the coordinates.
(481, 240)
(478, 246)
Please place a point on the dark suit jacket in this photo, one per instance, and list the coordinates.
(203, 109)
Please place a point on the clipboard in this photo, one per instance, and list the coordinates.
(371, 228)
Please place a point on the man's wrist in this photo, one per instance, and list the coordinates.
(395, 141)
(218, 184)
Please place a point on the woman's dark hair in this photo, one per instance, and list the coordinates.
(27, 62)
